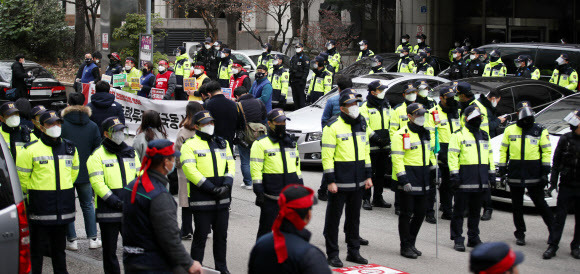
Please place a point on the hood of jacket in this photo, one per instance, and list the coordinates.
(102, 99)
(78, 115)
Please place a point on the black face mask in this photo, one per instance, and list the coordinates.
(88, 60)
(260, 75)
(475, 123)
(452, 103)
(573, 128)
(525, 123)
(280, 130)
(145, 71)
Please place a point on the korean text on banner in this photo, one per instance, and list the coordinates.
(189, 85)
(119, 80)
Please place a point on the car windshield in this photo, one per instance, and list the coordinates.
(358, 87)
(382, 76)
(5, 73)
(37, 72)
(552, 117)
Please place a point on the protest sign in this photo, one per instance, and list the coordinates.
(106, 78)
(135, 83)
(157, 94)
(119, 80)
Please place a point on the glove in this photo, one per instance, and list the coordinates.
(282, 102)
(220, 192)
(454, 181)
(114, 202)
(491, 179)
(259, 199)
(433, 177)
(502, 171)
(376, 139)
(546, 170)
(407, 187)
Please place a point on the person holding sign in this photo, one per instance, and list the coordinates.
(201, 78)
(240, 77)
(147, 80)
(133, 75)
(165, 80)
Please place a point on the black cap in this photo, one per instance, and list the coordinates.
(378, 58)
(405, 36)
(208, 40)
(226, 50)
(471, 112)
(478, 51)
(161, 144)
(332, 42)
(410, 89)
(349, 97)
(112, 124)
(422, 36)
(428, 49)
(497, 255)
(363, 42)
(374, 85)
(318, 59)
(278, 56)
(524, 109)
(463, 88)
(422, 54)
(267, 46)
(277, 115)
(49, 117)
(457, 50)
(8, 108)
(564, 56)
(495, 53)
(202, 117)
(324, 55)
(135, 61)
(295, 191)
(38, 110)
(416, 109)
(419, 83)
(299, 45)
(447, 92)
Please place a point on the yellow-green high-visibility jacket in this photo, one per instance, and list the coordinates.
(567, 78)
(424, 68)
(471, 159)
(334, 60)
(484, 118)
(47, 174)
(399, 119)
(322, 83)
(495, 69)
(225, 70)
(400, 48)
(266, 61)
(182, 65)
(274, 166)
(16, 137)
(378, 119)
(364, 53)
(207, 163)
(109, 173)
(413, 165)
(446, 126)
(134, 73)
(527, 152)
(280, 81)
(346, 156)
(406, 64)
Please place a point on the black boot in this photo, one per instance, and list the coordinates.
(380, 202)
(521, 240)
(366, 205)
(430, 219)
(334, 261)
(486, 215)
(550, 252)
(407, 252)
(459, 247)
(419, 253)
(356, 258)
(473, 243)
(446, 216)
(575, 253)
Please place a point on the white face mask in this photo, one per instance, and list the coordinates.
(472, 56)
(208, 129)
(420, 121)
(118, 137)
(455, 55)
(403, 41)
(560, 61)
(235, 71)
(13, 121)
(411, 97)
(223, 55)
(329, 47)
(197, 71)
(217, 48)
(419, 41)
(54, 131)
(128, 68)
(382, 94)
(298, 50)
(362, 47)
(423, 92)
(494, 103)
(374, 64)
(353, 111)
(97, 61)
(208, 46)
(161, 69)
(401, 54)
(265, 50)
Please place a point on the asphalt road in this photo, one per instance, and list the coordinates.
(379, 226)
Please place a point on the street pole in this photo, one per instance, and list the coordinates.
(148, 15)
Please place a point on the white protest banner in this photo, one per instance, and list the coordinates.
(171, 112)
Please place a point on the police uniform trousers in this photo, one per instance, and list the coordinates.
(445, 190)
(52, 237)
(472, 202)
(179, 92)
(381, 167)
(486, 203)
(217, 220)
(536, 193)
(268, 213)
(567, 197)
(298, 93)
(314, 96)
(351, 201)
(186, 221)
(109, 236)
(411, 218)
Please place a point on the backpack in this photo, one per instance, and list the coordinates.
(250, 131)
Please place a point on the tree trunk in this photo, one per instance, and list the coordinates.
(80, 35)
(305, 20)
(295, 17)
(232, 21)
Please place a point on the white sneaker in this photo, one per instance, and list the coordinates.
(73, 246)
(95, 243)
(244, 186)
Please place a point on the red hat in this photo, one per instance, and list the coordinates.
(114, 55)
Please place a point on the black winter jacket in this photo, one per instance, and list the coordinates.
(103, 106)
(18, 76)
(566, 161)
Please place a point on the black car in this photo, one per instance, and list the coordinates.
(45, 89)
(390, 61)
(513, 90)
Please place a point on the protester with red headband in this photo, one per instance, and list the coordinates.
(151, 235)
(286, 249)
(201, 78)
(166, 80)
(495, 258)
(240, 77)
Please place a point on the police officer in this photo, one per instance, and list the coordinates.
(347, 170)
(286, 248)
(214, 61)
(405, 63)
(274, 165)
(566, 167)
(279, 77)
(466, 99)
(321, 82)
(266, 56)
(36, 112)
(299, 69)
(457, 69)
(209, 166)
(412, 157)
(377, 65)
(423, 98)
(47, 169)
(404, 43)
(421, 45)
(525, 71)
(327, 65)
(448, 111)
(495, 67)
(334, 58)
(364, 50)
(423, 67)
(376, 110)
(476, 65)
(524, 156)
(15, 135)
(111, 167)
(455, 45)
(182, 70)
(225, 68)
(151, 236)
(206, 55)
(472, 170)
(564, 75)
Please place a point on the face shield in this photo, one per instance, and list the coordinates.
(525, 112)
(473, 114)
(573, 118)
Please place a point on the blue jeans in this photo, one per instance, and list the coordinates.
(245, 164)
(85, 194)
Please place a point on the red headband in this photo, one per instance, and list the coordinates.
(287, 212)
(146, 163)
(201, 67)
(502, 266)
